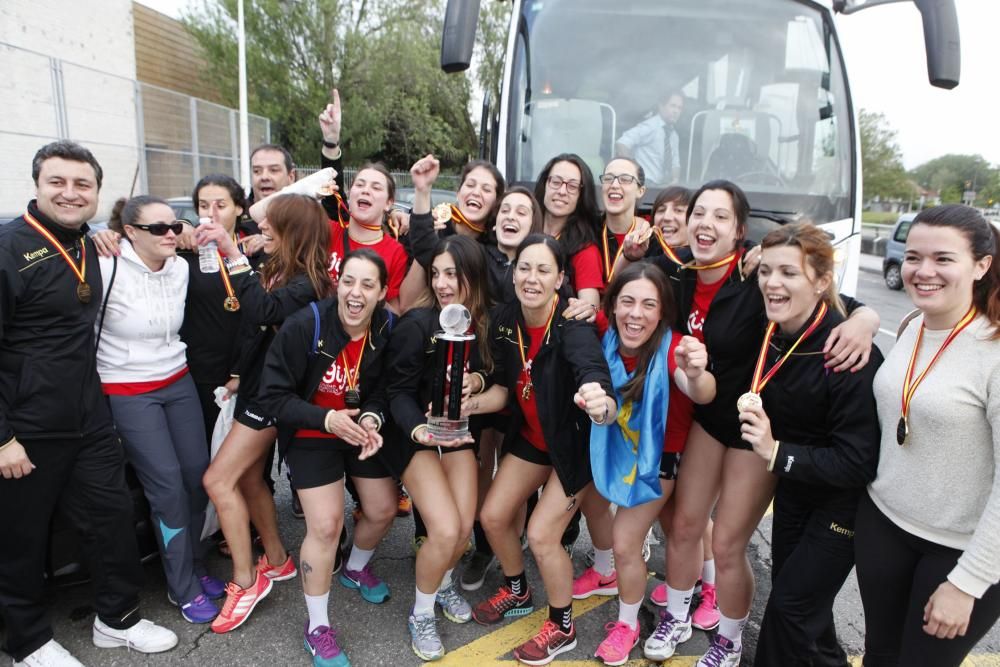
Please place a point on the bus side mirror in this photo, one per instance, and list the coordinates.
(459, 35)
(941, 40)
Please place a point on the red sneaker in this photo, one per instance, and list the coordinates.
(239, 603)
(546, 645)
(282, 572)
(503, 604)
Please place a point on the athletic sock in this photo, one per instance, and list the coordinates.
(423, 603)
(679, 603)
(359, 558)
(604, 561)
(732, 629)
(318, 607)
(518, 584)
(446, 580)
(562, 616)
(629, 613)
(708, 572)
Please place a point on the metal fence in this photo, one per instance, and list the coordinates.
(402, 178)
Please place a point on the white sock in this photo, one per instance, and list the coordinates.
(423, 603)
(708, 572)
(679, 602)
(318, 606)
(446, 580)
(604, 561)
(359, 558)
(629, 613)
(732, 629)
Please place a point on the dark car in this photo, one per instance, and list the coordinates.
(184, 209)
(404, 198)
(894, 247)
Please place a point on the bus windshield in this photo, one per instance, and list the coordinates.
(756, 89)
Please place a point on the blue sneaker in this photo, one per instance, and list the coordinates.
(372, 588)
(199, 610)
(322, 645)
(213, 588)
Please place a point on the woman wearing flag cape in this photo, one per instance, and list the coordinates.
(656, 374)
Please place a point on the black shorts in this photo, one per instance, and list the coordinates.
(251, 416)
(417, 447)
(524, 450)
(669, 463)
(314, 462)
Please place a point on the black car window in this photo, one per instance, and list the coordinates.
(902, 231)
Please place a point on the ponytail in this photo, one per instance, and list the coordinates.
(128, 211)
(986, 293)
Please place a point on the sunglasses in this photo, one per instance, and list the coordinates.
(161, 228)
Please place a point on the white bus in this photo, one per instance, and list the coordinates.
(767, 102)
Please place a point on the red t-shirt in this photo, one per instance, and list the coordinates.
(333, 387)
(703, 295)
(139, 388)
(588, 269)
(680, 412)
(531, 429)
(389, 249)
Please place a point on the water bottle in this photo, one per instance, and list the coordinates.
(208, 254)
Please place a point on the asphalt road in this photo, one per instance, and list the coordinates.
(377, 635)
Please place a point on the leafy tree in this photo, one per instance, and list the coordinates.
(953, 174)
(381, 54)
(881, 159)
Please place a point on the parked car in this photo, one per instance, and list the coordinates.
(894, 247)
(184, 209)
(404, 198)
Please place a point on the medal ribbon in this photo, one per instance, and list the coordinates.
(758, 382)
(457, 216)
(909, 383)
(352, 383)
(609, 266)
(525, 362)
(341, 209)
(224, 274)
(672, 256)
(80, 271)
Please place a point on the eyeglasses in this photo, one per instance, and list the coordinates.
(556, 182)
(161, 228)
(624, 179)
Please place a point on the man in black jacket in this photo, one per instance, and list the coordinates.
(57, 445)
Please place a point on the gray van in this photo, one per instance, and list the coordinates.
(894, 247)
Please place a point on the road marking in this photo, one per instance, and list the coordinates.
(891, 334)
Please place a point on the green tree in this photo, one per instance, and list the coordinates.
(381, 54)
(881, 159)
(953, 174)
(491, 46)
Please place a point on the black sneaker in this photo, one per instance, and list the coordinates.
(476, 568)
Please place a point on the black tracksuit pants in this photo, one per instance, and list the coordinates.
(898, 572)
(85, 478)
(812, 553)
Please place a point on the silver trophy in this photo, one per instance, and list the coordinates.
(447, 424)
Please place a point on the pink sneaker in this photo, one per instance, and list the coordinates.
(659, 595)
(618, 643)
(706, 616)
(591, 582)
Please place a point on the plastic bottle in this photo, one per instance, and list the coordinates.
(208, 254)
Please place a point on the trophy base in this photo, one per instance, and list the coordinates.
(447, 429)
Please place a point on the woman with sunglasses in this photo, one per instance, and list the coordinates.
(717, 305)
(296, 239)
(928, 529)
(323, 380)
(543, 362)
(144, 372)
(566, 190)
(818, 434)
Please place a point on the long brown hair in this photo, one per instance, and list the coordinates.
(817, 251)
(303, 229)
(470, 269)
(984, 241)
(632, 390)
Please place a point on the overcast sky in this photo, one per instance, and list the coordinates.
(885, 57)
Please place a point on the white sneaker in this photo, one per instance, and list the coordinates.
(145, 637)
(49, 654)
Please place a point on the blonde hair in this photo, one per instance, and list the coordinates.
(817, 251)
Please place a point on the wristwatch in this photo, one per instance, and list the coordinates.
(237, 264)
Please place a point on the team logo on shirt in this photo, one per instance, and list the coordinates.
(334, 268)
(334, 380)
(35, 254)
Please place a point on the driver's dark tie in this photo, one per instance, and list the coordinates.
(668, 155)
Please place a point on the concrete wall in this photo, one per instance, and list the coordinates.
(68, 70)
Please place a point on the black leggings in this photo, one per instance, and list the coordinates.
(897, 573)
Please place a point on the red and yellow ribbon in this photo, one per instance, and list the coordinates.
(81, 270)
(525, 362)
(609, 266)
(758, 382)
(458, 217)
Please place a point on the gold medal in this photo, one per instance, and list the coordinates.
(526, 391)
(749, 400)
(525, 362)
(442, 213)
(231, 304)
(83, 292)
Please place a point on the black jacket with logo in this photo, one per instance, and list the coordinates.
(49, 387)
(570, 356)
(292, 370)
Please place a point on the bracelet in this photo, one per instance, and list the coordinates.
(482, 386)
(330, 144)
(233, 264)
(774, 456)
(604, 419)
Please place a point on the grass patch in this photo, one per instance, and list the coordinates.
(879, 217)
